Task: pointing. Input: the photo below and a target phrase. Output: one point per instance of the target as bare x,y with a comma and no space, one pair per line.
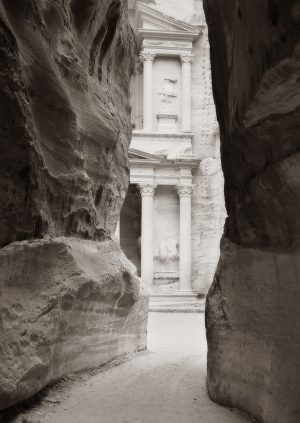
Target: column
148,59
186,106
147,192
185,257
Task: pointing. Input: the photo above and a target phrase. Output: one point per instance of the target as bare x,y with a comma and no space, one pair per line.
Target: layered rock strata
253,314
69,299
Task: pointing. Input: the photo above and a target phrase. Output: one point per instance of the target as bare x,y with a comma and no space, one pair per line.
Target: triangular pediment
142,155
154,21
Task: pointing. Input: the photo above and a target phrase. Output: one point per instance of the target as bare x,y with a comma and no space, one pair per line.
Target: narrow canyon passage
166,384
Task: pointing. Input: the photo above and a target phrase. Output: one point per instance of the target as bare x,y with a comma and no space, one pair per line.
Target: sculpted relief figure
168,250
168,93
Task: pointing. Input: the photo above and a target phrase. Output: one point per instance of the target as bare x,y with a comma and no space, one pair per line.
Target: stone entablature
171,145
161,47
160,172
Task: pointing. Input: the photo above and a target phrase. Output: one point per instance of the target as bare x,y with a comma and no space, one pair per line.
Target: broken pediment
142,155
152,22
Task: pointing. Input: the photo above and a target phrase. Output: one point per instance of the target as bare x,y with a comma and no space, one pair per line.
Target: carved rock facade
176,141
65,130
253,310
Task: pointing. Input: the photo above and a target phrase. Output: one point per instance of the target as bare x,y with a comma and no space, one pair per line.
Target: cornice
149,135
165,163
168,35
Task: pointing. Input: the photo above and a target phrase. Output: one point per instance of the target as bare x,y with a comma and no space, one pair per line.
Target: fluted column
147,192
186,95
148,59
185,257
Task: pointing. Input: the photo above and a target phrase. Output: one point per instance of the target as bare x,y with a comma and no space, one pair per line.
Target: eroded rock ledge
69,300
66,305
253,314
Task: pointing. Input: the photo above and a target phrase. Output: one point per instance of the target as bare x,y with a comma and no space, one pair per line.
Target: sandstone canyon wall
253,313
69,299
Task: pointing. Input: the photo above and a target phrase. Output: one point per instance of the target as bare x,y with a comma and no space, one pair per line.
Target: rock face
64,117
253,313
66,305
68,298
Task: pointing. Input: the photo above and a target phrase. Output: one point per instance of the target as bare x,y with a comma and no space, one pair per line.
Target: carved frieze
168,44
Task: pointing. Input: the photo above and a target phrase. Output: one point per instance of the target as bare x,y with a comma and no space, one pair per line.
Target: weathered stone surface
66,305
253,314
64,79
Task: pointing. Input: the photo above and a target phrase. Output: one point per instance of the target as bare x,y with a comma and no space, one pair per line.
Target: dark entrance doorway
130,226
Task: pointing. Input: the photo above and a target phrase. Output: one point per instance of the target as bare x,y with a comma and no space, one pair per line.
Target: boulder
66,305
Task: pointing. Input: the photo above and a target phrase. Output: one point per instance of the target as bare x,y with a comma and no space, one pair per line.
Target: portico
165,258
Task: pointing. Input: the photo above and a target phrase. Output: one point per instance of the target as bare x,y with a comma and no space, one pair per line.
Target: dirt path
165,385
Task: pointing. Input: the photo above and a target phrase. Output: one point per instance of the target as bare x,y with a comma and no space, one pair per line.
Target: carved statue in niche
168,250
168,93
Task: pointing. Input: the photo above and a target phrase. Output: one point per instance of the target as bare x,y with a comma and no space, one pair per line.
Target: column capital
147,190
185,190
147,57
187,58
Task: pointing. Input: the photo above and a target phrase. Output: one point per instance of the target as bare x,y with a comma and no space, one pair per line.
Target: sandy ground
166,384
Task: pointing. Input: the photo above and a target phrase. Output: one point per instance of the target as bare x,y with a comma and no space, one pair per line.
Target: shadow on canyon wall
253,314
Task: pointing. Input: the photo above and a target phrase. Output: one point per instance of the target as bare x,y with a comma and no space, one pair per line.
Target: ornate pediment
154,24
